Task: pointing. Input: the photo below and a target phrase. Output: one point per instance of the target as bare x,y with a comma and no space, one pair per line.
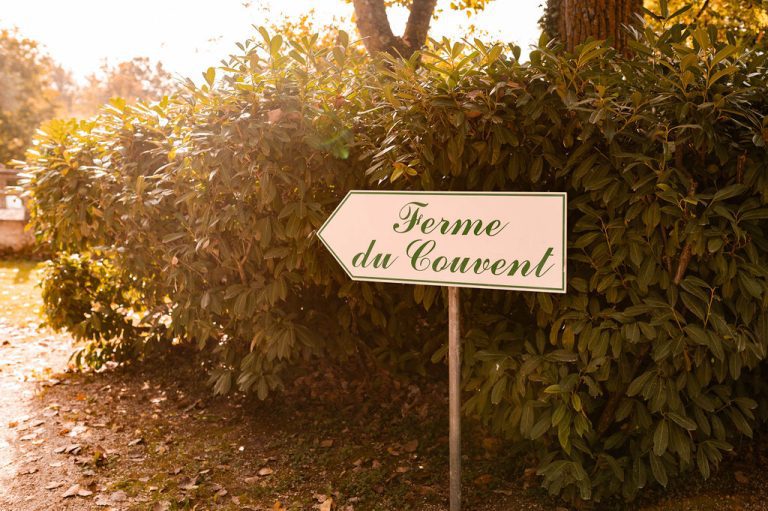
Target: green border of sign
563,195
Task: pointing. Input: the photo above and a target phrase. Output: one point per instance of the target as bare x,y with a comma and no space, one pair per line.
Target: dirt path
31,473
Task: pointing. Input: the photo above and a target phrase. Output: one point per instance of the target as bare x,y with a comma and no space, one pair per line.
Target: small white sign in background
501,240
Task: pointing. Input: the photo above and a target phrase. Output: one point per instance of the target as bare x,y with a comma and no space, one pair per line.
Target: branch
682,264
609,410
701,11
373,25
418,23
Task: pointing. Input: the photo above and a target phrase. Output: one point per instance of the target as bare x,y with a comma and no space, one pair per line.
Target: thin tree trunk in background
575,21
373,25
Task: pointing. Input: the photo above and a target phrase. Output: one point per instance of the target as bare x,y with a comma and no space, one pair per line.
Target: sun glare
188,36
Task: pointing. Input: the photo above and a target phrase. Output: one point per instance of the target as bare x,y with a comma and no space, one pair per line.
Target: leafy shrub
651,362
86,297
649,366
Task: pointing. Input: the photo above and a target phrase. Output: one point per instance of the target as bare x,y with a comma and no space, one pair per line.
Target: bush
87,298
650,365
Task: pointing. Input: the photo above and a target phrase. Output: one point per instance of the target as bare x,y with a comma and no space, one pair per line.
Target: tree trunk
575,21
373,25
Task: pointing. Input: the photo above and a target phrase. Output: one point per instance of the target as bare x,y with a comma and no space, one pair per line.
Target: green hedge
648,367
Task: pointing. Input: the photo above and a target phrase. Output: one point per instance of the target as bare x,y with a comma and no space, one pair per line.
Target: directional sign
500,240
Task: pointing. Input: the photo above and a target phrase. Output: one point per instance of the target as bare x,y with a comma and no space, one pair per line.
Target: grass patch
20,300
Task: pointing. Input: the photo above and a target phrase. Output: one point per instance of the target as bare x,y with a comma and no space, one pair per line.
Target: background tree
571,21
67,89
132,80
373,23
574,21
26,96
34,89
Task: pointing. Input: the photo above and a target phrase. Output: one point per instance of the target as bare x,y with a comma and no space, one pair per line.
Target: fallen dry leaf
53,485
72,449
491,444
193,405
484,480
411,446
326,505
266,471
422,489
71,491
188,483
118,496
326,443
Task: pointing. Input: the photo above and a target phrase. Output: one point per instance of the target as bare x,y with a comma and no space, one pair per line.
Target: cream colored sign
502,240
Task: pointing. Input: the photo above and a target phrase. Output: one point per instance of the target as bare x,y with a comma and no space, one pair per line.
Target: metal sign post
491,240
454,397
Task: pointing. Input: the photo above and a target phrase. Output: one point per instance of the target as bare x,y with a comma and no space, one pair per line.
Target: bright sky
188,36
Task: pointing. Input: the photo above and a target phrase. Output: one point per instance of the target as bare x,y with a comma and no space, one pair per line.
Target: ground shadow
152,436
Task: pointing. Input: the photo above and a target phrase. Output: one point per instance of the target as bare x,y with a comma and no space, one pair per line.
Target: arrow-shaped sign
501,240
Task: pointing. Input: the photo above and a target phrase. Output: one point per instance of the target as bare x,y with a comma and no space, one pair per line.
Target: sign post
454,398
494,240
